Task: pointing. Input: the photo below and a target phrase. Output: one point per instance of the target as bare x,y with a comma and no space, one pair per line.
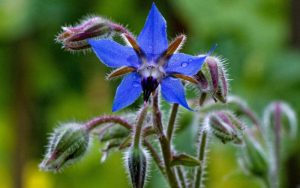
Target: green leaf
185,160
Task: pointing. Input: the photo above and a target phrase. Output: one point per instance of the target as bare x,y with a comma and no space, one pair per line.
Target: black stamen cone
149,85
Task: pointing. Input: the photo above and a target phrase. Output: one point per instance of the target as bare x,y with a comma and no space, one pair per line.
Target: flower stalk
94,123
202,145
171,124
150,65
164,143
138,127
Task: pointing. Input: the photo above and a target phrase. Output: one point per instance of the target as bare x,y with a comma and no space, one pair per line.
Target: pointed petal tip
153,6
186,106
212,49
153,37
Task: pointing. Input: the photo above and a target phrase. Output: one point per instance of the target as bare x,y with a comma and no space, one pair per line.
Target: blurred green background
42,85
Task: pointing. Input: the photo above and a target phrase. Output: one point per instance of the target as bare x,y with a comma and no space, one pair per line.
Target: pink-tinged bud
225,126
75,38
280,118
213,71
212,79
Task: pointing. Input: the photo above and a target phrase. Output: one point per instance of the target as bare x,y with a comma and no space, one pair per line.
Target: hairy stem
277,121
171,124
198,181
164,143
181,176
155,156
139,125
94,123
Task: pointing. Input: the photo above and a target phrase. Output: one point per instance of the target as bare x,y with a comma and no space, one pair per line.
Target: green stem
201,157
277,129
139,125
171,124
181,177
154,156
164,143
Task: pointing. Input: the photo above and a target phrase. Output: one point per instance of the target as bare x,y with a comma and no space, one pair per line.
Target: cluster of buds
212,80
67,145
75,38
225,126
149,62
262,157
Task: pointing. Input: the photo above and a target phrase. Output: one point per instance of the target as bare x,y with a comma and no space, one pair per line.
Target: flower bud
114,132
280,118
137,165
75,38
67,145
253,158
225,126
185,160
212,79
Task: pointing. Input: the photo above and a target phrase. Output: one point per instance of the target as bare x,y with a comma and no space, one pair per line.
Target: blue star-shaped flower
150,62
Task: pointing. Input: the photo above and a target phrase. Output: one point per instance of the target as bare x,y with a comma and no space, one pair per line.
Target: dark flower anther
148,62
149,85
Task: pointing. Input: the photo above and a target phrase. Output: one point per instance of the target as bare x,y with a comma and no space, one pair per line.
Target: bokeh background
42,85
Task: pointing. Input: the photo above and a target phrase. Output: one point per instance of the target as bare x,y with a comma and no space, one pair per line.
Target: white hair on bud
148,163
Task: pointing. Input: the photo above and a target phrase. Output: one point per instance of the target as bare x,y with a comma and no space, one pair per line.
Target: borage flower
150,62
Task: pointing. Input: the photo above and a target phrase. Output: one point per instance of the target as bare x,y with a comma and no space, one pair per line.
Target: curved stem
277,123
164,143
94,123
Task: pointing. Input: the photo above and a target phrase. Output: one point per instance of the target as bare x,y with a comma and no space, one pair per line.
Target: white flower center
152,70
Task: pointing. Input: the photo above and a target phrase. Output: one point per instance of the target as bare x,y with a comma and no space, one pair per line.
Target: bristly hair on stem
164,143
201,155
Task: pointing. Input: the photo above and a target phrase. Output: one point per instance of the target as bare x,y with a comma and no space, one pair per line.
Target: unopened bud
75,38
67,145
253,158
114,132
185,160
225,126
281,118
137,165
213,79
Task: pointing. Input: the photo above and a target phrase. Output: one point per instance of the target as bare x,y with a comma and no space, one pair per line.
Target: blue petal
153,38
113,54
128,91
184,64
172,91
